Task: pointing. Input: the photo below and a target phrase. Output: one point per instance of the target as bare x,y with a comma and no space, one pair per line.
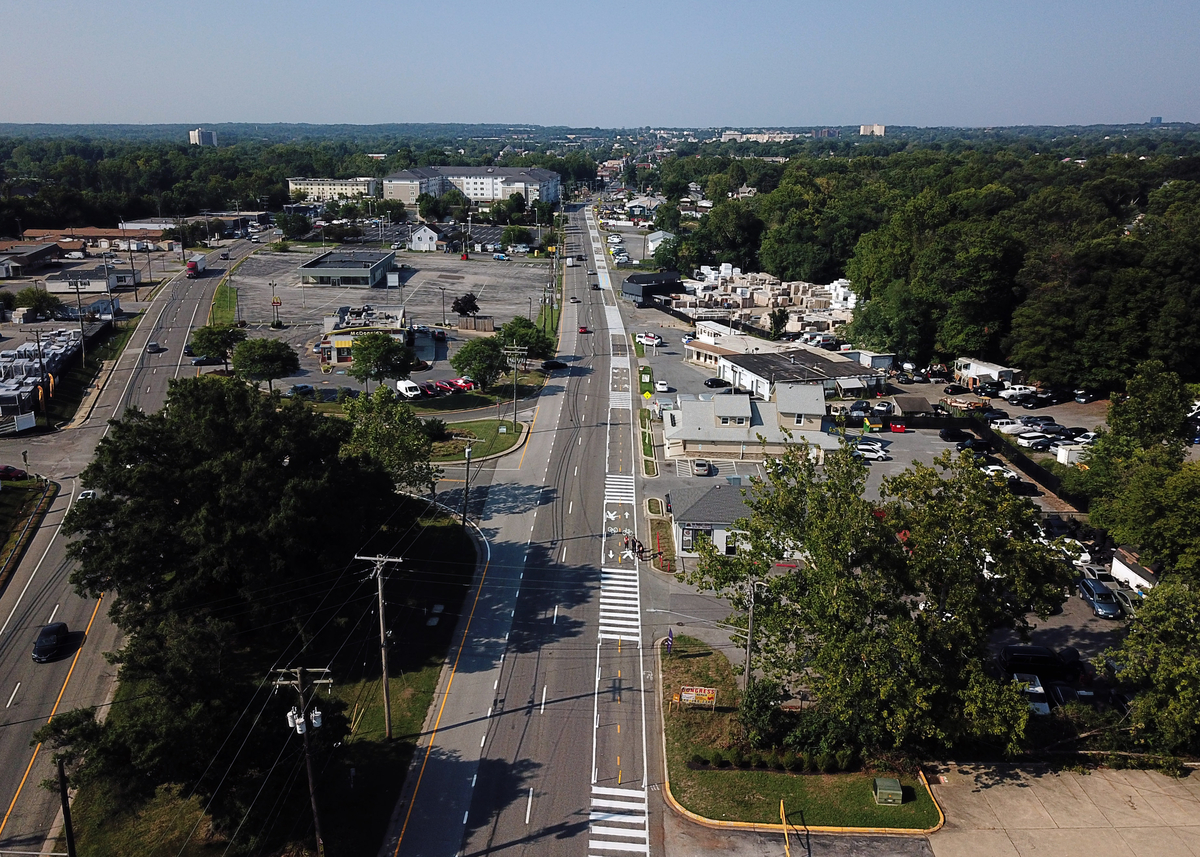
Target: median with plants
735,760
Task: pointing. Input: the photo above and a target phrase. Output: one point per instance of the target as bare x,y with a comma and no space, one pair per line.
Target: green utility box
888,791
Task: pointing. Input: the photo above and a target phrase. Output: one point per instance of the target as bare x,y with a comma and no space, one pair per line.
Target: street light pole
466,487
754,584
443,288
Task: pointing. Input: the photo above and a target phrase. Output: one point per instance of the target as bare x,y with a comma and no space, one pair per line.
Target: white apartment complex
871,130
323,190
200,137
478,184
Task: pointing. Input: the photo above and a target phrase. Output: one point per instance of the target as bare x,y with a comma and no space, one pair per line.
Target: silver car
1100,598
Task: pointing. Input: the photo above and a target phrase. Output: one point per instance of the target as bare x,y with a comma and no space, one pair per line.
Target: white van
408,389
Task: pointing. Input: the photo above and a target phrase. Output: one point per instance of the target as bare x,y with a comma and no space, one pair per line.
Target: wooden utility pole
380,562
302,722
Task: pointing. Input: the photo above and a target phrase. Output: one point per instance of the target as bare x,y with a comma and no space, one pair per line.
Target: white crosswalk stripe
618,488
620,607
620,399
619,821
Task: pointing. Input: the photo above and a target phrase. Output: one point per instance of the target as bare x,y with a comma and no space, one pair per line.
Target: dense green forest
1074,269
77,181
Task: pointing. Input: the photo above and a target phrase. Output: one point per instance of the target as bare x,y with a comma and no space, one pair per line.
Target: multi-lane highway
39,591
539,741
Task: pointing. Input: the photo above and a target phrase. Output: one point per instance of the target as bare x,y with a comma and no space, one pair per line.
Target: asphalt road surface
39,590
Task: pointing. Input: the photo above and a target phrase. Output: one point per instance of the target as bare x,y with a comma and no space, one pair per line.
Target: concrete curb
776,828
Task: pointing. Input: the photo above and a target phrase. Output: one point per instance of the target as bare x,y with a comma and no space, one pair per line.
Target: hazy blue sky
614,63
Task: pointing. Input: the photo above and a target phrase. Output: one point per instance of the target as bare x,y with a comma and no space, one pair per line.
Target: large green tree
1160,660
523,333
219,532
40,301
265,359
388,432
886,617
378,357
215,340
482,360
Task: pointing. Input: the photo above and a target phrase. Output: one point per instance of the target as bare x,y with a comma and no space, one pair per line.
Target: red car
463,383
445,387
584,330
10,472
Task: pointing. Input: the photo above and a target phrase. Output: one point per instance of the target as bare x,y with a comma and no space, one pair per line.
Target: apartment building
323,190
478,184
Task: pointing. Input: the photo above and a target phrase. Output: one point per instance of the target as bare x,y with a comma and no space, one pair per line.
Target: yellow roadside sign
646,395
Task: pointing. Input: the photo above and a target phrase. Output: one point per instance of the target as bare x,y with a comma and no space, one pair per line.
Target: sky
659,63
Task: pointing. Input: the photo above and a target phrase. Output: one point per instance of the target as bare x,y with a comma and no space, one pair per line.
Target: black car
1045,663
990,390
595,287
204,360
50,642
551,365
974,444
187,350
995,414
953,435
301,391
954,389
713,383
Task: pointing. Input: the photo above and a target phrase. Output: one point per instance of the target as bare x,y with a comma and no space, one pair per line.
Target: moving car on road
50,642
715,383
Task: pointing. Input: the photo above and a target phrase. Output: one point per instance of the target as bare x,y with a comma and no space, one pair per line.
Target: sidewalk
1014,811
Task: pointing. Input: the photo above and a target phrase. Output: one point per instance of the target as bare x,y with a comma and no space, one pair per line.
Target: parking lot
504,290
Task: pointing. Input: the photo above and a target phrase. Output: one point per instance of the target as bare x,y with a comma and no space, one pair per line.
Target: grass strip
663,539
483,436
223,312
753,794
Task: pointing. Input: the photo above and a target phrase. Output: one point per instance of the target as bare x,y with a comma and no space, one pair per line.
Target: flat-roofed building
323,190
478,184
364,269
200,137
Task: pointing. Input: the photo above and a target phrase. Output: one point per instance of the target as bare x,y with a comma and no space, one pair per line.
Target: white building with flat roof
323,190
478,184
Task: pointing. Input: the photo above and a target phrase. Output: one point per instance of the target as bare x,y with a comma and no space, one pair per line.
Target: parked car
953,435
686,338
1029,438
301,391
883,409
649,339
428,389
973,444
1045,663
994,415
50,642
1100,598
661,387
1087,438
1016,390
1084,396
870,453
860,409
1099,573
1009,426
1001,471
1060,693
1034,692
715,383
954,389
9,472
205,360
1129,602
465,384
444,387
1036,420
700,467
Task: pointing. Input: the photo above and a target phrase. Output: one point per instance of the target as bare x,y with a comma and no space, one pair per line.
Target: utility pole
298,719
79,309
466,487
754,584
443,288
380,562
68,828
514,353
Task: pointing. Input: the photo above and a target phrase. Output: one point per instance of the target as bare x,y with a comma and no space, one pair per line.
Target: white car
660,386
1016,390
1082,557
1001,471
1031,437
870,453
1009,426
1087,438
615,239
1034,692
649,339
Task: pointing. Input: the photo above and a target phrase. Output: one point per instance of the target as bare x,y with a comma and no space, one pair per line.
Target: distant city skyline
758,64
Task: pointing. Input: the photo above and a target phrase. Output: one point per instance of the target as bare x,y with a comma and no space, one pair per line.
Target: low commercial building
655,240
737,427
478,184
971,372
424,239
642,288
92,281
707,512
22,259
364,269
323,190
